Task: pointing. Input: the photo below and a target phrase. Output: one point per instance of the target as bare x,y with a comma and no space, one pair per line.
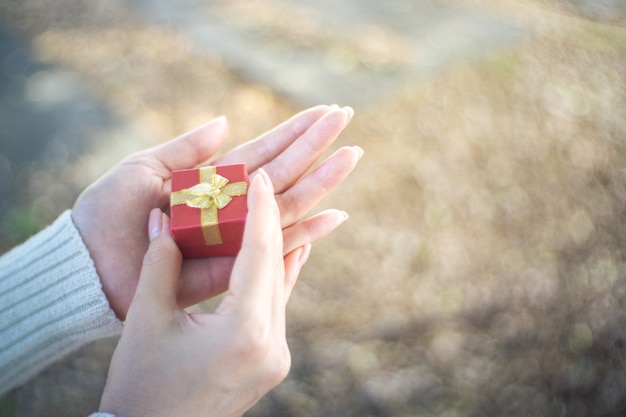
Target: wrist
113,291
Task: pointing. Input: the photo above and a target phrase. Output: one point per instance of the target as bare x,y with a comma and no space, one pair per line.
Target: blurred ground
492,283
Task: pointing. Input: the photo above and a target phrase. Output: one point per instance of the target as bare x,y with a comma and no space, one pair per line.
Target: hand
171,363
110,214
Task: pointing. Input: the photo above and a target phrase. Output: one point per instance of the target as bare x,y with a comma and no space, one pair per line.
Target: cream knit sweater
51,303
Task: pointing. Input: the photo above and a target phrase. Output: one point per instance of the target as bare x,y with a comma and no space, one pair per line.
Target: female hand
171,363
110,215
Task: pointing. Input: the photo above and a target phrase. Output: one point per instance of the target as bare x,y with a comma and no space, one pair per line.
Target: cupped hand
111,214
171,363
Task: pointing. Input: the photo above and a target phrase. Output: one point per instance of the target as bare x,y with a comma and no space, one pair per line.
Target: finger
204,278
260,260
192,148
294,262
290,165
312,229
158,281
303,196
262,150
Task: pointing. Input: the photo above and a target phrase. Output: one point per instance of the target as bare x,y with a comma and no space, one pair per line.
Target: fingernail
155,224
359,150
345,215
304,255
350,111
266,178
217,120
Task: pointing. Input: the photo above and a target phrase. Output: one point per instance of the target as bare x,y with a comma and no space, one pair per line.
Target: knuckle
263,246
279,368
155,257
288,217
267,244
274,367
258,339
263,354
253,341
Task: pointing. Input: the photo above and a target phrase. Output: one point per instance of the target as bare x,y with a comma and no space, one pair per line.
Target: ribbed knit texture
51,302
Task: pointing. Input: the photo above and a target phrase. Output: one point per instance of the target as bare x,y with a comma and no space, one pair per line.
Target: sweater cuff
51,302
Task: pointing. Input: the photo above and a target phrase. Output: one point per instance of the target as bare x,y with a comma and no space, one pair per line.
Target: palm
112,214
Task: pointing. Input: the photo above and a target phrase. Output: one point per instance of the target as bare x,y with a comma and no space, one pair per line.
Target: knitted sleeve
51,302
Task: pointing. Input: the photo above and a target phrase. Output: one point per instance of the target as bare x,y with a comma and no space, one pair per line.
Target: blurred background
491,278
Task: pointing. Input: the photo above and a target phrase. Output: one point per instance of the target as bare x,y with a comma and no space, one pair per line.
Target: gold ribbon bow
213,193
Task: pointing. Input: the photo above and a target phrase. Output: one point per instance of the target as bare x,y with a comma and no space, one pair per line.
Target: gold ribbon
213,193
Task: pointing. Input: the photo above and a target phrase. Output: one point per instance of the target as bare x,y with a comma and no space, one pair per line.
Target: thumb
158,281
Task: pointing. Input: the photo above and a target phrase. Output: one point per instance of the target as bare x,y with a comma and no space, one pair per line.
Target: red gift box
208,210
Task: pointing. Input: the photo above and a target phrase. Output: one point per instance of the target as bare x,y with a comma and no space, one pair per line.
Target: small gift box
208,210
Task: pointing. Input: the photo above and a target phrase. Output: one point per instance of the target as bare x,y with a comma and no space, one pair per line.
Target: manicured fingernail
155,224
350,111
304,254
221,120
266,178
359,150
